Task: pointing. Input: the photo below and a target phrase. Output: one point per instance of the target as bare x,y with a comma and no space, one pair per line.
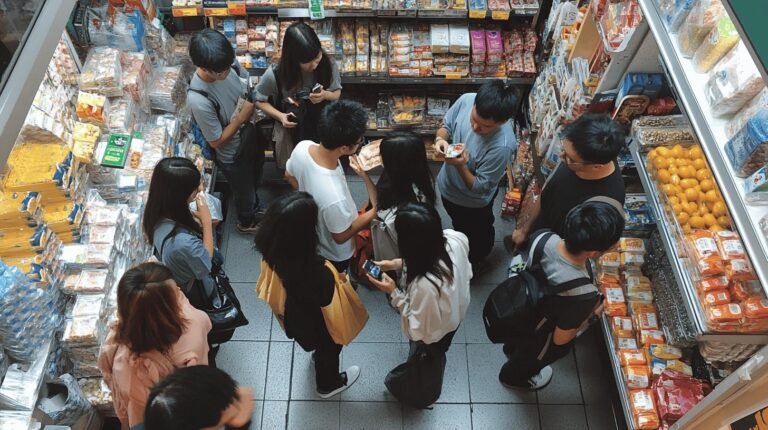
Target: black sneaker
251,229
350,376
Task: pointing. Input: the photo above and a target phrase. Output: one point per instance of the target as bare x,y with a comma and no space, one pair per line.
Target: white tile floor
581,395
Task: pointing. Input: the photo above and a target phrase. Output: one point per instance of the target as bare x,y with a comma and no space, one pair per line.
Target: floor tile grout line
581,389
290,382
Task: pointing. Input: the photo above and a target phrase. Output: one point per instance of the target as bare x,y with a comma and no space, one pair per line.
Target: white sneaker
541,379
351,375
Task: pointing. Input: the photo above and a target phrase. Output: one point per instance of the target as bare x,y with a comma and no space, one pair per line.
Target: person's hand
599,309
354,163
461,160
203,212
386,284
519,238
388,265
288,120
441,146
246,111
316,98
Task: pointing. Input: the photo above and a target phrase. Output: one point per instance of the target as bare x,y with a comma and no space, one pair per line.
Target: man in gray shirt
214,94
469,182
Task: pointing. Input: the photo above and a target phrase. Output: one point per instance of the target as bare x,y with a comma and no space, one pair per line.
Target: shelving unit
617,373
681,269
689,86
295,13
383,80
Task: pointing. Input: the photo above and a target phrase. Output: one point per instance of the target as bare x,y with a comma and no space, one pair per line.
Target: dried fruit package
705,253
729,244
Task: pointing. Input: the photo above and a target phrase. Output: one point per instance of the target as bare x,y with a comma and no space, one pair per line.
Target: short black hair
596,138
210,50
592,226
496,100
342,123
190,398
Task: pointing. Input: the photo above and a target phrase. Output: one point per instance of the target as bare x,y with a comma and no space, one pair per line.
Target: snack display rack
617,372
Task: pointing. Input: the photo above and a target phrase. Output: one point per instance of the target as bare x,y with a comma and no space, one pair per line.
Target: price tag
186,11
236,8
478,13
453,76
218,11
500,15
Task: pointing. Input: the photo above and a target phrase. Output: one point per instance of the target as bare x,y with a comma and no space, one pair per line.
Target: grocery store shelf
425,14
382,131
383,80
199,11
617,373
690,88
679,267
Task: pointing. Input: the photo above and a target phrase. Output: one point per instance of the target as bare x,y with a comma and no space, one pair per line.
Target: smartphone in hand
317,89
454,150
372,269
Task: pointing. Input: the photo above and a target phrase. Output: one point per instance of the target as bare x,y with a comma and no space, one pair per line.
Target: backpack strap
213,101
159,254
537,249
609,200
574,287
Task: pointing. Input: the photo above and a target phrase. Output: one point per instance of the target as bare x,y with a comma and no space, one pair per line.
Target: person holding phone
288,243
468,183
309,78
433,296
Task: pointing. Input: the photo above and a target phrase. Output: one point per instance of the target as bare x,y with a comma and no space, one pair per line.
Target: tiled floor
581,395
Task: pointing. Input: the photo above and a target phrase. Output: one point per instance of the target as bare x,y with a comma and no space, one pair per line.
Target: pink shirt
131,376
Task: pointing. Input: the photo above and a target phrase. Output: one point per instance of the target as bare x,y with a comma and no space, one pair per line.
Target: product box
116,151
756,186
459,37
440,38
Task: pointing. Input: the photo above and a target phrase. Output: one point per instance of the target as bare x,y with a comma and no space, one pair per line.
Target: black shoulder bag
221,305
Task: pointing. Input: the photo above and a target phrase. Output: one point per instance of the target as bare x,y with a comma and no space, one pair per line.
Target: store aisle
260,356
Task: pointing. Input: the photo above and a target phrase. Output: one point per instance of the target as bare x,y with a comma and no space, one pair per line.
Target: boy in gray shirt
214,93
468,183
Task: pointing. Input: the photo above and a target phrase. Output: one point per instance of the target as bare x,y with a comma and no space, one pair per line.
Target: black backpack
510,309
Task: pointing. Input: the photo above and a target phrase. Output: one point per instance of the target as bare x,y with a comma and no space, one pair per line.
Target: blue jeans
244,177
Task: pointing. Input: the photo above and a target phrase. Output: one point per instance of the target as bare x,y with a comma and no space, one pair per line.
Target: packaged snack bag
631,244
643,407
739,269
633,358
706,253
648,337
637,376
741,291
666,352
615,303
755,307
716,297
724,313
622,327
646,321
729,244
712,283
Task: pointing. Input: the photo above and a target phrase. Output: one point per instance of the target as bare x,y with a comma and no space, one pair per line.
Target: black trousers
477,224
327,353
341,266
529,354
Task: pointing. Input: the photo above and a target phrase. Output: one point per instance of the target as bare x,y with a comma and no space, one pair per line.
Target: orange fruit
707,185
711,197
699,163
683,162
691,208
724,221
662,151
688,183
678,151
674,179
664,176
695,152
718,209
674,200
668,189
692,195
687,228
697,222
710,220
677,208
703,174
673,170
683,217
715,228
660,163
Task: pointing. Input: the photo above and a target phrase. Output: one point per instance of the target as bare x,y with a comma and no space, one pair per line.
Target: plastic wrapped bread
715,45
733,82
747,150
741,118
102,72
703,17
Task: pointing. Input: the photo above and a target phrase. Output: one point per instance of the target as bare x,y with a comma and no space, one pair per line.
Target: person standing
469,183
303,67
288,243
316,169
156,331
215,92
590,229
587,169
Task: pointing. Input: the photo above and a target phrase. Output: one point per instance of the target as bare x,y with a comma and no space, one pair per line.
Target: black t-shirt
564,191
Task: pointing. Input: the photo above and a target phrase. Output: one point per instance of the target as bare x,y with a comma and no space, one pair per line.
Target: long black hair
173,181
301,45
405,165
421,242
287,237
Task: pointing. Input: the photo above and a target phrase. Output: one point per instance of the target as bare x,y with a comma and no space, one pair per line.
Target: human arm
362,221
442,137
290,175
370,187
203,216
525,224
267,89
333,92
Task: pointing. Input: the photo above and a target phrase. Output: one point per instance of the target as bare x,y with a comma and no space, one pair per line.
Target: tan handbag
346,316
270,288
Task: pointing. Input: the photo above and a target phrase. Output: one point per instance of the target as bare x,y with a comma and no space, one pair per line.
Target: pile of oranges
683,175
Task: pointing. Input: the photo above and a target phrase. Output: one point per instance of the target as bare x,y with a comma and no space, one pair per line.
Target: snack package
716,44
724,313
677,393
733,82
716,297
622,327
370,155
741,291
631,244
712,283
633,358
643,408
632,259
626,343
701,20
755,307
729,244
615,304
756,187
102,72
636,376
666,352
674,12
92,108
648,337
705,253
750,109
747,150
739,269
646,321
610,260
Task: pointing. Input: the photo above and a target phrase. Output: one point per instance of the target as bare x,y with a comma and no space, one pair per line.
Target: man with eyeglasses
587,169
316,169
214,94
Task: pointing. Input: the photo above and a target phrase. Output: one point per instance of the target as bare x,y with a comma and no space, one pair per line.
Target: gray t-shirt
226,93
559,270
184,254
267,86
488,157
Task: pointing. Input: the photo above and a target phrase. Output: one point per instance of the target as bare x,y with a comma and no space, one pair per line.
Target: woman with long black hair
308,76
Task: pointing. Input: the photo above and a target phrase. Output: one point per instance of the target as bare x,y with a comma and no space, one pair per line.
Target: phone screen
372,269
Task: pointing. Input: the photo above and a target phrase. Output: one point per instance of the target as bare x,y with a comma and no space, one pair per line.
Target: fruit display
689,190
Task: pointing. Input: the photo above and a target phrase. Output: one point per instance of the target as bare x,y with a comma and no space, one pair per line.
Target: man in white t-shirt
315,168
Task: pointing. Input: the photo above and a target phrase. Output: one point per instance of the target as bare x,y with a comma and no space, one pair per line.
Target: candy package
729,313
92,108
648,337
739,269
733,82
716,297
631,244
755,307
741,291
715,45
666,352
712,283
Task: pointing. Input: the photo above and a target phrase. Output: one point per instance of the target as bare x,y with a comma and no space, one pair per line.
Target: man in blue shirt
469,182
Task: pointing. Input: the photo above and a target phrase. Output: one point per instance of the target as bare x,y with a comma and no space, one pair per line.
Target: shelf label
218,11
453,76
316,10
500,15
186,11
236,8
478,13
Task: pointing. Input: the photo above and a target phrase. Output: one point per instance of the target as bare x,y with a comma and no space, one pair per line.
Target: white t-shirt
336,208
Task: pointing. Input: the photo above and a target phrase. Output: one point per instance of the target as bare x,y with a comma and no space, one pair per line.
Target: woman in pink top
157,331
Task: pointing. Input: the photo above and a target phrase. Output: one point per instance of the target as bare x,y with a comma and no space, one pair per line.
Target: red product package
677,393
